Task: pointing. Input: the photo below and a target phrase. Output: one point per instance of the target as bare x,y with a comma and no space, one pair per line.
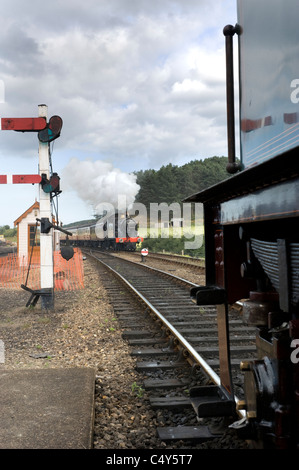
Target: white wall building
28,233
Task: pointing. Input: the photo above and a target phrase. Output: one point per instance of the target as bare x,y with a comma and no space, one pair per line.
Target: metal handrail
229,31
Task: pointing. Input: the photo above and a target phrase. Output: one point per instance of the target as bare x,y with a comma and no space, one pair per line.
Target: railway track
195,263
174,341
6,250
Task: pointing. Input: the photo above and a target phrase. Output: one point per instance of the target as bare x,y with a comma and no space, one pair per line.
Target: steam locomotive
251,222
116,232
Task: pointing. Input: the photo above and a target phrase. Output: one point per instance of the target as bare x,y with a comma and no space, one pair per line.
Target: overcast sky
138,84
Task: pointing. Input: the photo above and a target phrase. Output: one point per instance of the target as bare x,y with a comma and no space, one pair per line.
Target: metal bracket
46,226
211,401
213,295
35,295
208,295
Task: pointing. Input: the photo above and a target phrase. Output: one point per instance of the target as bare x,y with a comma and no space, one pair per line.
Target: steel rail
191,351
181,279
175,258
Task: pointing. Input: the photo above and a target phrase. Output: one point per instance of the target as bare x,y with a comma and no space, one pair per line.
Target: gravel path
84,332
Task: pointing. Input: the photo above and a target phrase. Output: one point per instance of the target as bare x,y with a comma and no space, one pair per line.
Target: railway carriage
251,221
118,233
74,232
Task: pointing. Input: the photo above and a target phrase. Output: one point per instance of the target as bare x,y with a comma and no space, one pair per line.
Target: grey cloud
19,52
123,74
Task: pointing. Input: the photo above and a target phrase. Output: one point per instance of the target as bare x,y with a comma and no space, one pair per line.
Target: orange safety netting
68,275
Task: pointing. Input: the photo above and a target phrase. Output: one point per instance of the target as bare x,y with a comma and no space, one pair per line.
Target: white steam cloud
98,182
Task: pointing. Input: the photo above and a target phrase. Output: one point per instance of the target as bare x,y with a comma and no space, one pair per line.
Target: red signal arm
23,124
20,179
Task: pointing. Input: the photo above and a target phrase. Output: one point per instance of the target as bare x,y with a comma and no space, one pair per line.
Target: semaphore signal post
47,132
46,240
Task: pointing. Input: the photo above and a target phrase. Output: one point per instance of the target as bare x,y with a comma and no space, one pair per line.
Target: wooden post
46,239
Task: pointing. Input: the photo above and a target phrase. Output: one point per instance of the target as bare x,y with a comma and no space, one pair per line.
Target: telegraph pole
46,239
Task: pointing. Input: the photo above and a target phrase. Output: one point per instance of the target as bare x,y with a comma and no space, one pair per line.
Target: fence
68,275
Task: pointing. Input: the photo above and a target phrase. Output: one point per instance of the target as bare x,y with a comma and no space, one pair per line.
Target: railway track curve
194,263
175,343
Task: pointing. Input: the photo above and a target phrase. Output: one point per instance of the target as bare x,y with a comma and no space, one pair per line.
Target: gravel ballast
83,331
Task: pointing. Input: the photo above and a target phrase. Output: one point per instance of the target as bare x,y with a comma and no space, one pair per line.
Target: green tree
10,232
3,228
172,183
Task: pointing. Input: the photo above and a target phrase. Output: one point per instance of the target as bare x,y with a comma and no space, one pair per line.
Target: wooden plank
146,341
153,352
170,402
233,349
136,334
144,365
190,433
164,383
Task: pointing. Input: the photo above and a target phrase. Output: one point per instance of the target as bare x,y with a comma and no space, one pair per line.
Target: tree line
8,232
172,183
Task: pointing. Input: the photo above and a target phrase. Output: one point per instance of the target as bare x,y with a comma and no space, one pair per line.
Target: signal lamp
52,185
52,131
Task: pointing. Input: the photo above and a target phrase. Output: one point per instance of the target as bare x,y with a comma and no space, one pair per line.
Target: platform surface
47,408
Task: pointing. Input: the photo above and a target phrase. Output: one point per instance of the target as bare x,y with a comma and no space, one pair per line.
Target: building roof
28,211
